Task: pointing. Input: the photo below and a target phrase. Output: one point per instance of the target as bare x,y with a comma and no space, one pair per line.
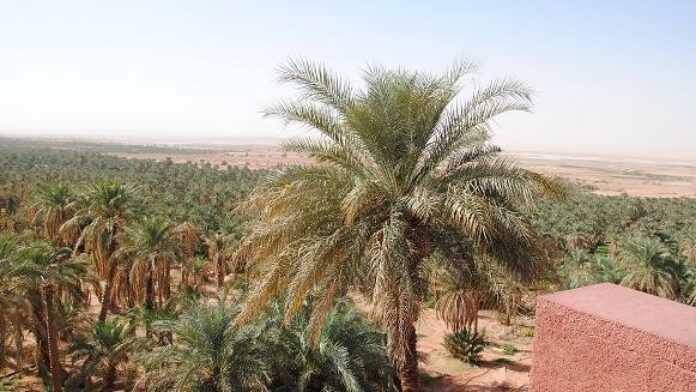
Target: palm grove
144,275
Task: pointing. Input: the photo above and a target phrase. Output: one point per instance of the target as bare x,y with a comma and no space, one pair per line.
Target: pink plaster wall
610,338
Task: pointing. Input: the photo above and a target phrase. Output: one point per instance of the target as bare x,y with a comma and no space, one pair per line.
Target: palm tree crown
650,267
208,354
151,249
53,206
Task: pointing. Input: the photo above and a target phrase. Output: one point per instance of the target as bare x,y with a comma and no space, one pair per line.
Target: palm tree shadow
505,363
496,388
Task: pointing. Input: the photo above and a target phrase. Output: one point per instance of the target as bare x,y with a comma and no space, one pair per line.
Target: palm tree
688,249
8,294
400,164
43,271
459,296
53,206
219,245
351,354
104,348
189,237
152,247
649,267
208,354
57,371
101,215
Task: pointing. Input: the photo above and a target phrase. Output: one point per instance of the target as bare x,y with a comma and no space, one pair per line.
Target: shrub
466,346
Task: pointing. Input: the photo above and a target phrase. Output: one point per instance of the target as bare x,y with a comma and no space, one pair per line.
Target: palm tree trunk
408,370
3,340
183,283
106,295
19,345
40,335
167,280
57,372
109,377
220,271
128,289
150,289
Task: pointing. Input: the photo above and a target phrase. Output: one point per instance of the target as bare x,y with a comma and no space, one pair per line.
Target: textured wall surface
609,338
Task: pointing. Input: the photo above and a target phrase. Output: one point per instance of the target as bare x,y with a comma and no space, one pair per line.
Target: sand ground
497,372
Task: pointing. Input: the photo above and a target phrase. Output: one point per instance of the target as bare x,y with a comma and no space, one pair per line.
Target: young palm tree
400,162
208,354
53,206
104,348
152,247
459,296
649,267
101,215
351,354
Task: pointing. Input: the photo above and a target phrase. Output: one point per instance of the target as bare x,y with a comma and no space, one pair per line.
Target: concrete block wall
610,338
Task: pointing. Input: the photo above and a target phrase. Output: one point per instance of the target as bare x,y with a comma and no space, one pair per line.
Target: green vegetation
466,346
119,274
404,176
645,244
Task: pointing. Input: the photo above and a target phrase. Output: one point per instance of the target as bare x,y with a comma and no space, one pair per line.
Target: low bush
466,346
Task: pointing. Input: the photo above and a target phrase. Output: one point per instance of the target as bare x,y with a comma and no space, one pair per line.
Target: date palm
649,267
399,162
54,205
351,354
688,248
152,248
45,275
219,249
189,237
101,216
106,345
9,298
208,354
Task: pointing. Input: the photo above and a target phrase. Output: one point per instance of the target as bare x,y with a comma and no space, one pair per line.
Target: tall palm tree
57,376
400,162
189,237
53,206
208,354
43,272
8,294
101,216
649,267
219,247
152,247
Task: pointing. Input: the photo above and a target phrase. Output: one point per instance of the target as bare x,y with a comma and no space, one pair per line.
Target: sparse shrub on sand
466,346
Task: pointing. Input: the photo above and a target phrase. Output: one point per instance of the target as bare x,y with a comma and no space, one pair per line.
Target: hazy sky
609,75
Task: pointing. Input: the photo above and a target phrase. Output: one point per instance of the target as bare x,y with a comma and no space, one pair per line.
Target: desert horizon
605,174
214,141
